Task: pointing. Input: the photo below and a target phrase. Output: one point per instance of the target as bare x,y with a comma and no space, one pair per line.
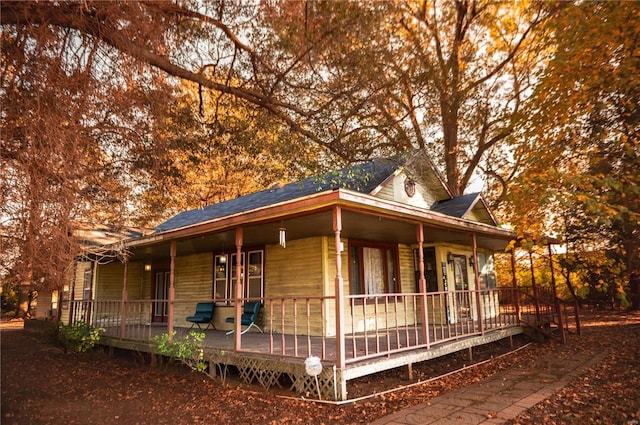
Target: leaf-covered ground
41,384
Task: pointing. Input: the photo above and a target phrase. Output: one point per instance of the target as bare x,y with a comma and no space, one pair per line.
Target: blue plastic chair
203,314
248,317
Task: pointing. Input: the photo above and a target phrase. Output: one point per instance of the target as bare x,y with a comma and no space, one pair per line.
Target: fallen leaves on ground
41,384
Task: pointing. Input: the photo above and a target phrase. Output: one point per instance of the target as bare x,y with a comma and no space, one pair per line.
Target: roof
363,178
99,235
458,206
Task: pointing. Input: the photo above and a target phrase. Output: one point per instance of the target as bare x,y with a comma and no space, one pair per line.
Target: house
368,268
99,245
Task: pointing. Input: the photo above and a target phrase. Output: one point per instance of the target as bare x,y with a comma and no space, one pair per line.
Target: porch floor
365,354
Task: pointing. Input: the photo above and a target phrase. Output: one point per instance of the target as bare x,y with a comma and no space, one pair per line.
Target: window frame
229,275
389,252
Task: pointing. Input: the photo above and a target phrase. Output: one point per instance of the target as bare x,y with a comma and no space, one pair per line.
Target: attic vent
410,187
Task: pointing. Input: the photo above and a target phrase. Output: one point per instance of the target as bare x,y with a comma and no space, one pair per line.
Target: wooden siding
393,190
109,281
295,271
193,282
480,214
76,278
407,268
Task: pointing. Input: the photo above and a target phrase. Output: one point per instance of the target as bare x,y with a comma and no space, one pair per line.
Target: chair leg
251,326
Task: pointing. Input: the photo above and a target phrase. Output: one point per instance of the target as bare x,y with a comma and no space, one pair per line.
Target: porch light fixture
283,237
222,259
471,261
147,267
449,258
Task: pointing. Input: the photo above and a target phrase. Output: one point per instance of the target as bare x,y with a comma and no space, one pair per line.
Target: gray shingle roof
363,178
458,206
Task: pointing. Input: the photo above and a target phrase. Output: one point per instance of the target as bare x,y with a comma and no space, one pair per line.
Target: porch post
514,283
422,284
563,337
339,291
476,279
534,287
123,302
237,335
172,290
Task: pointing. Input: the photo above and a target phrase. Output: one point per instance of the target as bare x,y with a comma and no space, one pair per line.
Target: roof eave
320,201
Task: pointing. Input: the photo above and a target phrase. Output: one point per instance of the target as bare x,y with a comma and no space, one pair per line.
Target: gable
469,206
416,183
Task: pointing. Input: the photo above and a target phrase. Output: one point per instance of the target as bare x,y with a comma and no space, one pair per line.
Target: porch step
540,331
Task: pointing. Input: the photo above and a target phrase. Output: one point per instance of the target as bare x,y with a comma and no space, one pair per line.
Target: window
486,271
373,268
460,272
251,274
86,285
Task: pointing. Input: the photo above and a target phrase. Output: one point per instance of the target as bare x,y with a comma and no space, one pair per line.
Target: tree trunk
22,309
567,279
450,135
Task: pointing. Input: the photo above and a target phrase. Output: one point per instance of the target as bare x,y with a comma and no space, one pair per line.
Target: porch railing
298,327
539,307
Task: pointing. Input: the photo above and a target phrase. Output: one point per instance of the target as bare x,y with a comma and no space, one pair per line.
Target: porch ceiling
355,225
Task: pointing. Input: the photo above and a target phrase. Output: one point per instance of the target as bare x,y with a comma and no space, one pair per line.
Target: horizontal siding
407,272
75,293
194,282
75,278
294,271
109,281
387,191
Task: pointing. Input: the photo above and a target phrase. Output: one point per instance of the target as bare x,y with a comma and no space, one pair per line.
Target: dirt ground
43,385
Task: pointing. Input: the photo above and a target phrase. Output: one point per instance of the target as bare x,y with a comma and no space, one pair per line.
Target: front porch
394,333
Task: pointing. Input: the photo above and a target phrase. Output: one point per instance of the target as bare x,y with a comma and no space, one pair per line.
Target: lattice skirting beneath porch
267,373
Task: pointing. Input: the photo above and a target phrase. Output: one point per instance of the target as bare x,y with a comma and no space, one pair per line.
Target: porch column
422,284
476,279
534,287
123,302
514,283
172,290
563,337
339,291
237,298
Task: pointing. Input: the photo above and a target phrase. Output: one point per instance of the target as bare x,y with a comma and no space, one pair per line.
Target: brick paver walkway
498,398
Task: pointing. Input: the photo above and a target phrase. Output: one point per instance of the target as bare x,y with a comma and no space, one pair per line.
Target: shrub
188,350
79,337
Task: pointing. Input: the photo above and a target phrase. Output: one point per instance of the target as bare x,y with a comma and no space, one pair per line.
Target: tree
69,126
471,67
221,46
443,77
231,151
582,133
94,130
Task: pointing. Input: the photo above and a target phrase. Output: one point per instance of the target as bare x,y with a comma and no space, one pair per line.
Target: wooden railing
298,327
540,309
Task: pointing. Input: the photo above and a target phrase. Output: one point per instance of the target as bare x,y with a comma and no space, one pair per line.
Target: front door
161,297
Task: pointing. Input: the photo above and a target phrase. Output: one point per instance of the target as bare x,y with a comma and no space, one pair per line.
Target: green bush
79,337
188,349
